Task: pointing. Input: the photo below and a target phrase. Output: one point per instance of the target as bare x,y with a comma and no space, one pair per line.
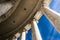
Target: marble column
23,36
35,31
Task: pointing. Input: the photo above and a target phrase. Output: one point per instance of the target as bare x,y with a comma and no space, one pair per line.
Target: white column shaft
15,39
23,37
35,31
53,17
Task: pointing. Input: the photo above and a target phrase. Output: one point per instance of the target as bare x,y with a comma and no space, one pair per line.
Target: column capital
24,30
36,20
